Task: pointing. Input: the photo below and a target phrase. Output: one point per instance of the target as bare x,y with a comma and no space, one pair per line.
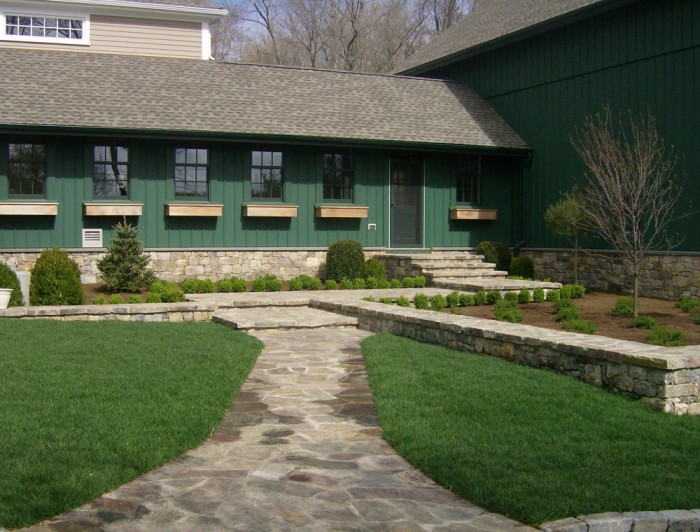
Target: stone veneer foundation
664,275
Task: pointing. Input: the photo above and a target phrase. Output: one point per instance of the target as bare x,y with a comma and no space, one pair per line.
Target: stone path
300,449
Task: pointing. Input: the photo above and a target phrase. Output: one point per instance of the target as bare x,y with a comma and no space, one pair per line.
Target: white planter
5,294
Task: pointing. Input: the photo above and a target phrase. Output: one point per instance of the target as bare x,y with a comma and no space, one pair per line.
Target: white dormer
167,28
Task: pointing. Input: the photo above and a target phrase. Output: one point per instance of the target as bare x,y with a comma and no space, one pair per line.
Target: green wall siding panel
642,57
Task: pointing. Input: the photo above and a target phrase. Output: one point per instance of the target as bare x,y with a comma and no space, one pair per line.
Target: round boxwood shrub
374,268
524,296
296,284
496,253
421,301
331,284
437,302
538,295
506,311
8,279
345,260
522,267
403,301
643,322
466,300
452,299
55,280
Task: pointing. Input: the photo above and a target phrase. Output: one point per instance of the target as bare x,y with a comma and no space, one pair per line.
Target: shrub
624,306
562,304
125,267
403,301
516,278
685,303
233,284
466,300
408,282
8,279
522,266
345,259
524,296
260,284
567,291
511,296
386,300
99,300
420,281
197,286
135,299
395,283
568,313
346,284
374,268
538,295
480,298
116,299
421,301
272,283
368,298
643,322
696,318
452,299
553,295
497,253
371,282
331,284
55,280
666,336
154,297
580,326
493,296
313,283
383,283
296,284
437,302
577,291
358,284
506,311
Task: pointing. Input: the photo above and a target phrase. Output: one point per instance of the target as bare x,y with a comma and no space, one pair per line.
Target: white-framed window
25,26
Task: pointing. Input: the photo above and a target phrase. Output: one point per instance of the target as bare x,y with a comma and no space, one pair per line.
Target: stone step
469,262
491,283
258,318
464,273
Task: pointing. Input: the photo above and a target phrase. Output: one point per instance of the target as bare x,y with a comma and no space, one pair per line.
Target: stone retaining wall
665,378
399,267
664,275
178,265
158,312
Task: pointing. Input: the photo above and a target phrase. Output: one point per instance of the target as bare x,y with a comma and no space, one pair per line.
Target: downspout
519,181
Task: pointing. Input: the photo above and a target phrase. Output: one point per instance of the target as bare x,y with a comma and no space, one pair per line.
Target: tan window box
270,211
464,213
113,209
194,209
341,211
28,208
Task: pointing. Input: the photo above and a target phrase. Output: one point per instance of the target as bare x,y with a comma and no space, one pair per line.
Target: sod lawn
88,406
530,444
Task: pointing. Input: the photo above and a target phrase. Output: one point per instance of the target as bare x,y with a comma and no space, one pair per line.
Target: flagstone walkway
299,449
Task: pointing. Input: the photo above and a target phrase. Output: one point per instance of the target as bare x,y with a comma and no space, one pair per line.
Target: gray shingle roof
492,20
87,90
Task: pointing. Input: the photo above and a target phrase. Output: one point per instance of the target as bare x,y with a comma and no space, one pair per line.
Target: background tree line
358,35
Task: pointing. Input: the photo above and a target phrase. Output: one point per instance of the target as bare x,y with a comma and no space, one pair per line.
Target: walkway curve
299,449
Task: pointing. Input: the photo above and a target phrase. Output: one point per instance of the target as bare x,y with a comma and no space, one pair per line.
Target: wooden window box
28,208
465,213
113,209
341,211
194,209
270,211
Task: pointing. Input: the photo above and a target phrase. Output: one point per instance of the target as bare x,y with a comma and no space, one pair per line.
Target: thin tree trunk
636,293
576,258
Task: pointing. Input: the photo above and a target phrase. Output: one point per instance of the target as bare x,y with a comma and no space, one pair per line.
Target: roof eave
510,38
158,7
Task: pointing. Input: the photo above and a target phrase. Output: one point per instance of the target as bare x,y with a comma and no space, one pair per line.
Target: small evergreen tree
125,268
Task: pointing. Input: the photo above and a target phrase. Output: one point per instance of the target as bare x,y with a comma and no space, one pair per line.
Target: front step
281,318
464,273
486,284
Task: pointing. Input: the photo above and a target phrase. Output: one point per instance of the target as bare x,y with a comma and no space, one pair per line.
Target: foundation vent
92,238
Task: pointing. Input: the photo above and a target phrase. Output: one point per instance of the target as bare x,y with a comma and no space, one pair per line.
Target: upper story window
337,177
192,173
110,171
469,180
45,28
266,174
26,173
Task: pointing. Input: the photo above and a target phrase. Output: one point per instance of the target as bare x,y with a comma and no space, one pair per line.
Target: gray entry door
406,203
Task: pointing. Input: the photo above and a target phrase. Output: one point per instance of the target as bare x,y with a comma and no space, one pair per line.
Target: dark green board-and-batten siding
642,57
69,183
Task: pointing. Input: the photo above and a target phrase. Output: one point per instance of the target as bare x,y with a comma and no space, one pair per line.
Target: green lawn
88,406
530,444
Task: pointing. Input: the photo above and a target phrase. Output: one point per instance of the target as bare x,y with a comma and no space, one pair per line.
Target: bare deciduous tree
631,197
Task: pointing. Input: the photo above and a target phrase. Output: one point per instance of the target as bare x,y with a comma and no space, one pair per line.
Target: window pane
202,156
277,158
180,156
191,156
257,158
267,158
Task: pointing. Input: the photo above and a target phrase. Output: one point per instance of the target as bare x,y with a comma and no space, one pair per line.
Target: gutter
157,6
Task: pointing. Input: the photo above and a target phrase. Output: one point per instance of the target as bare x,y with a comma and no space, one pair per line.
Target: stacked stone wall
664,275
177,265
160,312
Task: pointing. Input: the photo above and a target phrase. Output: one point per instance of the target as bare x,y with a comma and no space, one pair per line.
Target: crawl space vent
92,238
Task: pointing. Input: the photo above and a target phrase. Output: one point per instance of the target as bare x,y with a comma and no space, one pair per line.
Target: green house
238,169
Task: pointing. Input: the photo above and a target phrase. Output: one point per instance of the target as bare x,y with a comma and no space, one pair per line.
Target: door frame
420,164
